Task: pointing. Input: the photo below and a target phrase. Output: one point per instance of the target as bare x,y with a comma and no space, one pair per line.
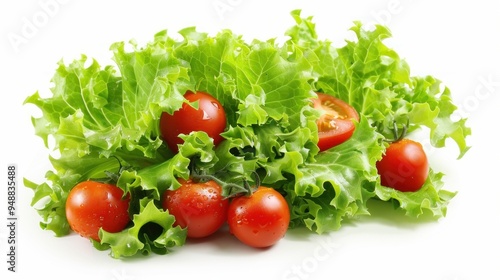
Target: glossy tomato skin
259,220
209,117
335,125
404,166
91,205
199,207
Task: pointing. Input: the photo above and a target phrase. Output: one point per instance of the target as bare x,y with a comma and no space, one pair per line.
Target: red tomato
91,205
199,207
259,220
210,117
404,166
335,124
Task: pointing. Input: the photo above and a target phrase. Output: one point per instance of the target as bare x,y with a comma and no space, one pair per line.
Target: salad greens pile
105,118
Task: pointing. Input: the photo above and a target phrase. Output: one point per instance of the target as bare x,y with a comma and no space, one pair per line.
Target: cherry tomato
259,220
210,117
335,125
404,166
91,205
199,207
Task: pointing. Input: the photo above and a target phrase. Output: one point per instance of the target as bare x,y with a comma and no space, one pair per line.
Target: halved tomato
336,123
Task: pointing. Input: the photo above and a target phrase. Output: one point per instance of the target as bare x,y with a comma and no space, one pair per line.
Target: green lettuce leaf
339,183
197,147
53,198
152,231
431,197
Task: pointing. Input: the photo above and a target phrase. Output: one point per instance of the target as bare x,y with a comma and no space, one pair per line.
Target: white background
455,41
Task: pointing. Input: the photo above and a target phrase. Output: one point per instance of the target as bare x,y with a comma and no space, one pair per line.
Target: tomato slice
335,125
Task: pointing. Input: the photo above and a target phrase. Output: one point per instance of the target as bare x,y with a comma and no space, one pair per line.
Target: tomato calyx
111,177
229,189
397,135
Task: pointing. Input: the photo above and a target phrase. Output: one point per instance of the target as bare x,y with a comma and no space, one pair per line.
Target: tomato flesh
404,166
91,205
199,207
259,220
210,117
335,125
